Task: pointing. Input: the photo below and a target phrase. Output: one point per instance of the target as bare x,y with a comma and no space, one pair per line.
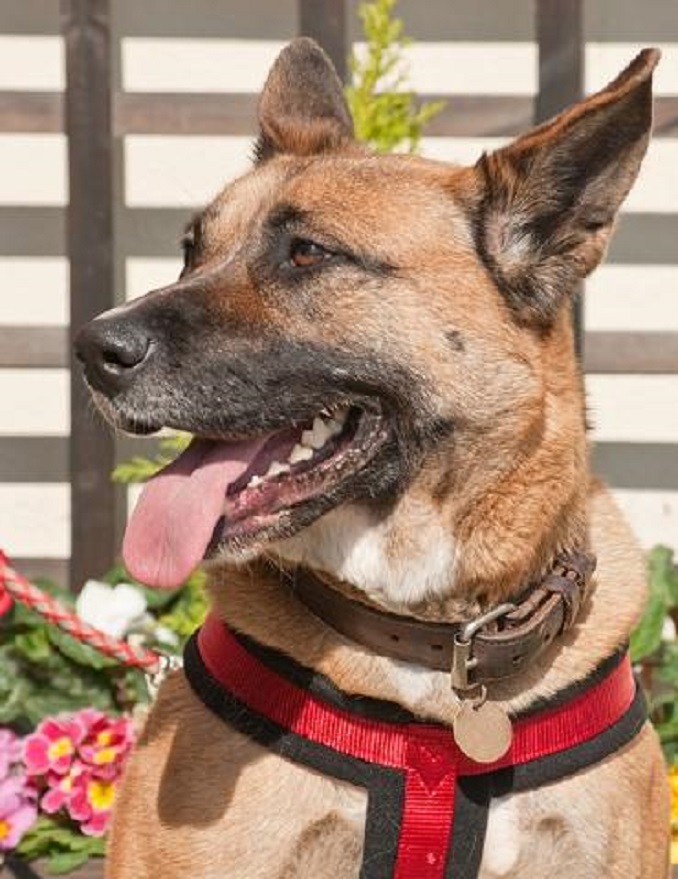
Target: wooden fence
96,114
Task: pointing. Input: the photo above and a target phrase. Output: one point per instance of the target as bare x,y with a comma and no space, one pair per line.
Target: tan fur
483,515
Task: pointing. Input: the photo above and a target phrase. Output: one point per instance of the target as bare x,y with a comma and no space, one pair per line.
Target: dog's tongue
174,520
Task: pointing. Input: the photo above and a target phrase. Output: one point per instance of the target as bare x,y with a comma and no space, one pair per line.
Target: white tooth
276,468
335,427
300,453
321,433
254,481
307,438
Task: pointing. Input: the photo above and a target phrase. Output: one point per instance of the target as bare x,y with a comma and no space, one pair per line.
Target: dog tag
483,732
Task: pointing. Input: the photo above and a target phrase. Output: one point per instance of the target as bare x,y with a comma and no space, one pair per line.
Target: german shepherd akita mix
409,669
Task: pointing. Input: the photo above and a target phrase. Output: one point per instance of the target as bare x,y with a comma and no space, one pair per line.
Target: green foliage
44,671
658,654
386,116
57,840
189,608
139,469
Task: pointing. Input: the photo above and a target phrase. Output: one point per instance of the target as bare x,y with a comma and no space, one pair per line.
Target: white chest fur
396,563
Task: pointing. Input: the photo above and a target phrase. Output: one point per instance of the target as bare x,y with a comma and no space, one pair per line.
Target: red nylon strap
426,753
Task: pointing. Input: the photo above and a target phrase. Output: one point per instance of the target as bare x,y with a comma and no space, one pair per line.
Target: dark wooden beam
325,21
560,40
645,353
86,28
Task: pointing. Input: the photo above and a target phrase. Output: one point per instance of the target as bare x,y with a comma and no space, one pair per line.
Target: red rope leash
19,588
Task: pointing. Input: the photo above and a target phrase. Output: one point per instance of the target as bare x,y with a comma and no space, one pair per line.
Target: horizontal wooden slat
31,231
31,112
649,466
235,114
645,238
617,352
640,466
169,113
45,458
33,346
49,569
665,116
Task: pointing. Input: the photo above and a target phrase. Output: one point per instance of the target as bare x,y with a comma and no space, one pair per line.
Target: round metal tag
483,733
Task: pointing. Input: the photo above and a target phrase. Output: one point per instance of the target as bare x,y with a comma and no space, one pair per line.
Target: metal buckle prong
463,660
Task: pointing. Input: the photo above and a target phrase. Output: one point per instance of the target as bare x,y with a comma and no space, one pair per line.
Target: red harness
303,717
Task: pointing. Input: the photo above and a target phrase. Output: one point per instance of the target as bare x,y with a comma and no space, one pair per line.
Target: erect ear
302,109
547,202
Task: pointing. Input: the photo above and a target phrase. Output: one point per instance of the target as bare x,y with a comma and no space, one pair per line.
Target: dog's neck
256,600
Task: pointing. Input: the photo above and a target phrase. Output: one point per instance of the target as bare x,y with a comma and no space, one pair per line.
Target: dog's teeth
335,426
300,453
254,481
276,468
307,439
320,434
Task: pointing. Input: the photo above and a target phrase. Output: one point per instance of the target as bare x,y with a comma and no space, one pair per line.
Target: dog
375,355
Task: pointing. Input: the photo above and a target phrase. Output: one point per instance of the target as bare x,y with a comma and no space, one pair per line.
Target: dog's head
368,332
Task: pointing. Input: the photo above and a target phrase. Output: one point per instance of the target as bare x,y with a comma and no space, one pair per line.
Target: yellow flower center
105,755
104,738
5,828
61,748
101,795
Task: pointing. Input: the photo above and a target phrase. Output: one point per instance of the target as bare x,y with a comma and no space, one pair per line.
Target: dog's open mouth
218,491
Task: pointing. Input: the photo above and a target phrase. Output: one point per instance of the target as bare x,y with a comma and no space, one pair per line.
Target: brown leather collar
492,647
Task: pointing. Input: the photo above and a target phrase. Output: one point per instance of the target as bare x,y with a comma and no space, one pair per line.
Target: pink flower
91,803
52,747
10,751
60,789
6,602
106,744
18,811
77,760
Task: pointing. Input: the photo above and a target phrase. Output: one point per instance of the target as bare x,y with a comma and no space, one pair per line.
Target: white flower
114,610
668,630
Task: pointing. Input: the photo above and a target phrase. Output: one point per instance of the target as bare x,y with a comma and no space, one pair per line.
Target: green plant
654,647
43,671
64,847
386,116
139,468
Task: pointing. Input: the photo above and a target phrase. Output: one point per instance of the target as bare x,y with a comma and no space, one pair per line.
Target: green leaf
78,652
33,645
647,636
663,574
139,469
65,862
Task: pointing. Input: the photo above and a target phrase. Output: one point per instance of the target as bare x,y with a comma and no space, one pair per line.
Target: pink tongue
174,520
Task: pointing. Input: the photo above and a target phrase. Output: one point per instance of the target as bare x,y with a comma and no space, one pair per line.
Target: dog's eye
306,254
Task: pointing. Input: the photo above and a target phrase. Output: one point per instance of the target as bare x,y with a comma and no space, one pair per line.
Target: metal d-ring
463,660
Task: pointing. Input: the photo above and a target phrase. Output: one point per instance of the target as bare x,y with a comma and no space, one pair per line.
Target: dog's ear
547,202
302,109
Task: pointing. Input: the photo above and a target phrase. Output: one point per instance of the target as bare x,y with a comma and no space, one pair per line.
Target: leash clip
167,663
463,660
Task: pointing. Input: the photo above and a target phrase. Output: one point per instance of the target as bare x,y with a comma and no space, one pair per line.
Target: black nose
113,350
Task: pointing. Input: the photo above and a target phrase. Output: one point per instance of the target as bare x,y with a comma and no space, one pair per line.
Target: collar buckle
463,661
